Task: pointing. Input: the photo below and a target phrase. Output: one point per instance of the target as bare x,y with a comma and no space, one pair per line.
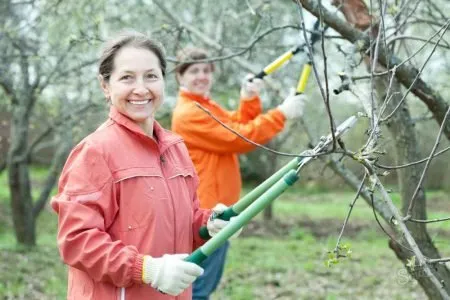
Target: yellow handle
278,62
301,86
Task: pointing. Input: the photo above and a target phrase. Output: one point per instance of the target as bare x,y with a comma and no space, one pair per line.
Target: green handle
199,255
245,201
226,215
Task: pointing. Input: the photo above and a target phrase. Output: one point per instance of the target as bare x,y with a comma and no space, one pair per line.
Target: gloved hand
293,106
215,225
169,274
251,88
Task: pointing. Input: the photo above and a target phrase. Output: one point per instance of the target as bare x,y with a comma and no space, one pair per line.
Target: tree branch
405,74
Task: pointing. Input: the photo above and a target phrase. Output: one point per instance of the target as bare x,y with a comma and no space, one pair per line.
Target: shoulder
184,108
99,143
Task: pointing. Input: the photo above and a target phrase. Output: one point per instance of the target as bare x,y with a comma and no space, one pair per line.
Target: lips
139,102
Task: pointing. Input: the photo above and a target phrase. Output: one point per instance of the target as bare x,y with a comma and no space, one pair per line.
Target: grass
280,259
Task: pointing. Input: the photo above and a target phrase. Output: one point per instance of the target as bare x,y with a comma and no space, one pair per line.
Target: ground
284,258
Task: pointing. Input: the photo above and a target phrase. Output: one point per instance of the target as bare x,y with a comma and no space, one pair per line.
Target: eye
126,77
151,76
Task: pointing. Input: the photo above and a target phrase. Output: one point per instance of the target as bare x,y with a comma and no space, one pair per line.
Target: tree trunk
65,145
19,178
403,134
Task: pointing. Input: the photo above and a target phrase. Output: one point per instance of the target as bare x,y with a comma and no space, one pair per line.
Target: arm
86,206
249,108
250,104
199,130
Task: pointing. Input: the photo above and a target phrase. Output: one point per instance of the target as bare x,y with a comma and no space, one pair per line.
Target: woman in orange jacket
127,205
213,148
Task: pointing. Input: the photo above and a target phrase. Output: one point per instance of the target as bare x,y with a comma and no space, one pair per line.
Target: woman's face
136,85
197,78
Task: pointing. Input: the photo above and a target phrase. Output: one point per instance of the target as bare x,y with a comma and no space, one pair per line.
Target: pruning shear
258,199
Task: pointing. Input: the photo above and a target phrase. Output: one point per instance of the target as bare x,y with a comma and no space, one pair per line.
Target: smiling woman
136,86
128,211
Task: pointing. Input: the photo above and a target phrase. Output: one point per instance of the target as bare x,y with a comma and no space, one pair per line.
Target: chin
140,118
202,92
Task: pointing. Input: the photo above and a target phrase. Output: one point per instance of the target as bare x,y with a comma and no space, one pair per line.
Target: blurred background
50,99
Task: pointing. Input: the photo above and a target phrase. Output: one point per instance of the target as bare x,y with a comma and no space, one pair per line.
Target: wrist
282,109
247,98
136,270
150,268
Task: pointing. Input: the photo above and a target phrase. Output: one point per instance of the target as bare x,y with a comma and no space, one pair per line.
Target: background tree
389,51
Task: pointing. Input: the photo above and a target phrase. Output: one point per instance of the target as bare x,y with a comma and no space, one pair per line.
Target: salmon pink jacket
121,196
214,149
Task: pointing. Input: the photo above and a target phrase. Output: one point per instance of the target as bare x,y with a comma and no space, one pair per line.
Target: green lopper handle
245,201
199,255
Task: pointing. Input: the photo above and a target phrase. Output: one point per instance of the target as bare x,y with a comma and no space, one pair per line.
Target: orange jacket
121,196
214,149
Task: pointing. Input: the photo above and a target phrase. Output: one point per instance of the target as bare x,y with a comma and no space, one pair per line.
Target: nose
203,75
140,88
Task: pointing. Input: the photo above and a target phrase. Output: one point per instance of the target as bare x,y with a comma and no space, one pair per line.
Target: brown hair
124,39
188,56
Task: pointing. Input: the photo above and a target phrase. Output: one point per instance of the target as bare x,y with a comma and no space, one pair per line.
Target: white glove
293,106
215,225
169,274
251,88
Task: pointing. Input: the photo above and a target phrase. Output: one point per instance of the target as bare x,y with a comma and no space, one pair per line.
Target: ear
178,78
104,85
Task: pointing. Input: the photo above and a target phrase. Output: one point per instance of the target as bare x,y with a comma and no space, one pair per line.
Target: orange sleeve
249,108
86,206
199,130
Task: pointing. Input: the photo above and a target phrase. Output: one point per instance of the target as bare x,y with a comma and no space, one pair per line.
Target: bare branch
239,53
411,164
325,95
352,204
429,221
405,74
427,165
438,260
415,38
416,78
61,120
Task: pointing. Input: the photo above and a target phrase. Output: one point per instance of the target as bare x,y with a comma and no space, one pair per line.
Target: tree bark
19,178
401,129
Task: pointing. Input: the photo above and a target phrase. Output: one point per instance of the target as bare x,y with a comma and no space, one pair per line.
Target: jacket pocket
142,192
182,183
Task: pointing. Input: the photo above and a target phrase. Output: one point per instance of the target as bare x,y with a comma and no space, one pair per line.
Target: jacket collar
164,137
196,97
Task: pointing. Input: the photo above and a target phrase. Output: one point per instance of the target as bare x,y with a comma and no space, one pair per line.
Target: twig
316,73
438,138
430,221
417,75
266,148
352,204
438,260
411,164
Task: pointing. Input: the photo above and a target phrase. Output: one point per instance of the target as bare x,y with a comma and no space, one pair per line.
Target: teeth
141,102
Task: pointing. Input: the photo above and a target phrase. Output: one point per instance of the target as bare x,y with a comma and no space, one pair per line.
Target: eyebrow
128,71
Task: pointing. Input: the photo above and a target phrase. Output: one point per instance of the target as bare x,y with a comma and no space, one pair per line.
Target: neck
204,95
147,126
